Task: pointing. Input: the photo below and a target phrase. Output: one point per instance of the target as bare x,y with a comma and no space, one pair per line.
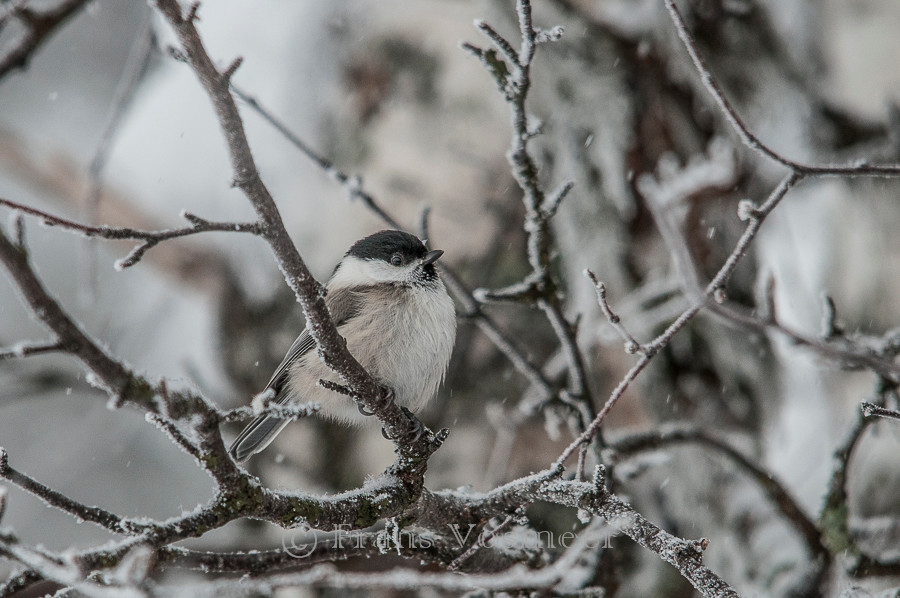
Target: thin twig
39,26
718,282
634,444
149,239
353,184
109,373
458,562
631,345
290,412
26,349
133,72
51,497
746,135
870,410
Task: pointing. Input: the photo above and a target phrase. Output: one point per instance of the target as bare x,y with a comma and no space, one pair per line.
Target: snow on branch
399,496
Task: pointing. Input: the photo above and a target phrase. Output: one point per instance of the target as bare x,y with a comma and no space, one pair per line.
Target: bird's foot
387,396
418,428
413,435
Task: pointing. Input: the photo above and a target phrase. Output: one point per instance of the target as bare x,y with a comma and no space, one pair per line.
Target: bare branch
635,444
870,410
333,547
540,285
830,328
684,555
149,238
26,349
746,135
718,281
108,373
52,498
352,184
176,436
631,345
331,347
39,25
552,203
461,559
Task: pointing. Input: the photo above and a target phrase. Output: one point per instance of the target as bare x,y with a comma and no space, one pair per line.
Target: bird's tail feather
256,436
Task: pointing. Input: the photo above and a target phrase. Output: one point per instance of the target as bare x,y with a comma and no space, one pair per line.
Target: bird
386,299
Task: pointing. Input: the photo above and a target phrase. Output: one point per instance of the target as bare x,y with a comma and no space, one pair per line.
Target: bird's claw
413,434
387,397
418,428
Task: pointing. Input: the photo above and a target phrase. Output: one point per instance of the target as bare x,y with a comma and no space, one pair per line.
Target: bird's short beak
432,256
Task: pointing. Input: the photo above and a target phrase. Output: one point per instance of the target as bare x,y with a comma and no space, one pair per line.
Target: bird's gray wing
260,432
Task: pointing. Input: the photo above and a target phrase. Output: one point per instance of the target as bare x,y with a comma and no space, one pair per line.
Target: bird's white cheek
357,272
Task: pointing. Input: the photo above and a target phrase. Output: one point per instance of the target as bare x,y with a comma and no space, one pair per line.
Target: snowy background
384,91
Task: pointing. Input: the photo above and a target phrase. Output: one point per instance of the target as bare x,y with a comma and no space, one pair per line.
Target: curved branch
110,374
309,292
746,135
635,444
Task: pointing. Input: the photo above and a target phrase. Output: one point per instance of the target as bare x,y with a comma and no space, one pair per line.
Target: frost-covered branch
635,444
631,345
870,410
309,292
110,374
471,308
511,71
666,195
593,497
238,495
58,500
714,289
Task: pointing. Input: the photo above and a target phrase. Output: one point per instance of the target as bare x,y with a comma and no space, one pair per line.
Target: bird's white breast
403,336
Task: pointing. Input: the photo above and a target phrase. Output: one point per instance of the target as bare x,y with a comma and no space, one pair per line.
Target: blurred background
104,126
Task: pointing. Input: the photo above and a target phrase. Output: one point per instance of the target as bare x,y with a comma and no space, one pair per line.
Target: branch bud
747,210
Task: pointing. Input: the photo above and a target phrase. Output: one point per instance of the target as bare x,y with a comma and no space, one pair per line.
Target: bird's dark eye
396,260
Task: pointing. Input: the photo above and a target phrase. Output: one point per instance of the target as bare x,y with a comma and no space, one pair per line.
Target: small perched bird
387,301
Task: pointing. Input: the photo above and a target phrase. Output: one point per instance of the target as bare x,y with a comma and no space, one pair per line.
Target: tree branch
745,134
511,71
149,239
26,349
331,347
39,26
871,410
635,444
109,374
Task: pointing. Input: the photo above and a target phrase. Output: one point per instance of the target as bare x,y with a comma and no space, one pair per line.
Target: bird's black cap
384,244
